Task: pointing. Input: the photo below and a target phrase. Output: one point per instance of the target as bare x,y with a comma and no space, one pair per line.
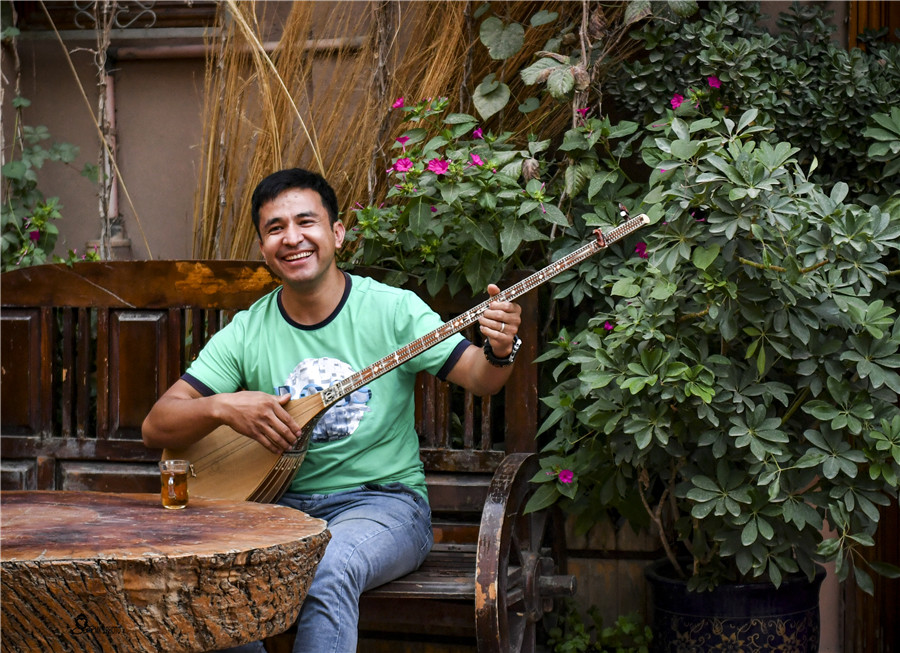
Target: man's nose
293,234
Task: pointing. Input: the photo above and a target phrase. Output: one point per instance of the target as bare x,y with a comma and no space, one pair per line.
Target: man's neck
310,304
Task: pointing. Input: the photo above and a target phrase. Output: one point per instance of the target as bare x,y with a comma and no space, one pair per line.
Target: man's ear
339,232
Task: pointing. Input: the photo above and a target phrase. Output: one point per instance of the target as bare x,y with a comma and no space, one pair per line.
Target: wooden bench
87,350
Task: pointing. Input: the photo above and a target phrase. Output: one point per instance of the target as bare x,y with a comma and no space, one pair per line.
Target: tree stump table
92,571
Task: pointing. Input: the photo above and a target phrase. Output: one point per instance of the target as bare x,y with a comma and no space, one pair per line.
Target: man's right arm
182,416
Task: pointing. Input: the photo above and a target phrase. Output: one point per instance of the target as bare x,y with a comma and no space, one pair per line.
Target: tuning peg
623,212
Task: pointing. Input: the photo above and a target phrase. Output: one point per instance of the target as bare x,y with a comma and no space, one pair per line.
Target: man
362,473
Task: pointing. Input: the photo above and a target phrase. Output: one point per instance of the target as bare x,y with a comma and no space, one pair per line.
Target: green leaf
554,215
14,170
746,118
749,533
702,257
529,105
863,580
636,10
885,569
625,288
502,41
483,235
685,150
683,8
560,83
490,97
420,217
545,496
543,17
459,119
539,70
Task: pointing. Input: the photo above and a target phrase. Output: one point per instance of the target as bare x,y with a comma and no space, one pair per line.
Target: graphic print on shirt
314,375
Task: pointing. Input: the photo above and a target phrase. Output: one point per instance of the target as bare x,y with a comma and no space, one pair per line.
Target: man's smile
298,255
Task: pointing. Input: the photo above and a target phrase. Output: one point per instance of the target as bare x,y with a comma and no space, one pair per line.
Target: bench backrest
87,350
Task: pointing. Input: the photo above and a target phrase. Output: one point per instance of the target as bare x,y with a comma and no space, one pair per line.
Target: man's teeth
296,257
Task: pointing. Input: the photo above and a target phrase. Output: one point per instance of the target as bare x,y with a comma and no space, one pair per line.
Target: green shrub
814,93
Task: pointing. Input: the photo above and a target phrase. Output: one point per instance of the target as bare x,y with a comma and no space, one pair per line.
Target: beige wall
158,106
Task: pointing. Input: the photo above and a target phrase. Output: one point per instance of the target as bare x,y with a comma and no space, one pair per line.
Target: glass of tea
173,477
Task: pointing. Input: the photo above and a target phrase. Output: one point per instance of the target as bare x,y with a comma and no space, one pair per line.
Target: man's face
297,240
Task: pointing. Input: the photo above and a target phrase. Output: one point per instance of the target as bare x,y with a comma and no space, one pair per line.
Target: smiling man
362,473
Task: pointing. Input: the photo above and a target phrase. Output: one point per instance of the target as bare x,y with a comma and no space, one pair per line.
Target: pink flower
714,81
608,326
398,103
478,133
434,209
583,111
641,250
677,100
34,235
402,140
476,160
438,167
566,476
403,165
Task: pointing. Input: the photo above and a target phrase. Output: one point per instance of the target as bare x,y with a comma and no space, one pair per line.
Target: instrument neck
335,392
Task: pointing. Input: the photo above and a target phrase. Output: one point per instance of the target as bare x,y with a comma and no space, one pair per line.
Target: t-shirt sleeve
218,367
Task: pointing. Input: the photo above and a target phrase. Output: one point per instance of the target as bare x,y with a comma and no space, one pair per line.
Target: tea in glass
173,477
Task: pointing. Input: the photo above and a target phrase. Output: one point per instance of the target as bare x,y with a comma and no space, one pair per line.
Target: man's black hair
278,182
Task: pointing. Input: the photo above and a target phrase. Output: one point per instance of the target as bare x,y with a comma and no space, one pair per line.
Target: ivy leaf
543,17
502,41
529,105
490,96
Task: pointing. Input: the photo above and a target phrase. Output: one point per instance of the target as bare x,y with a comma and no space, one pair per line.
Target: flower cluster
458,203
697,96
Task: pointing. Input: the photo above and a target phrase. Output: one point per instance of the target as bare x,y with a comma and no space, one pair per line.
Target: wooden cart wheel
516,575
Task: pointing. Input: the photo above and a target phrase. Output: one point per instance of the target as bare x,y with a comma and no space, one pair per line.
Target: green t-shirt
369,436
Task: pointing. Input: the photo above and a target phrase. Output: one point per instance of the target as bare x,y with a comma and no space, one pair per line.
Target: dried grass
322,99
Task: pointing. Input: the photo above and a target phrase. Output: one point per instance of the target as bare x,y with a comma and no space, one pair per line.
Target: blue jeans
378,533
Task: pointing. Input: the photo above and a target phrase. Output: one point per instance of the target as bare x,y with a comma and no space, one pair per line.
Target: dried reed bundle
322,100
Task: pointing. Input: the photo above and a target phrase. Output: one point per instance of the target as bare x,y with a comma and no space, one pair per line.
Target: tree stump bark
88,571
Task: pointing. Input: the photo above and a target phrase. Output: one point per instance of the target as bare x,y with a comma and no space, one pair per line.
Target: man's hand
182,417
263,418
500,322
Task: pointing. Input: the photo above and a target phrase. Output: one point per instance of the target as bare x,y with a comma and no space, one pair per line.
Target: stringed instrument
228,465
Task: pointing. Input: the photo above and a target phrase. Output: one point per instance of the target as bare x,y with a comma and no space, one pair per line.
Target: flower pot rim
654,572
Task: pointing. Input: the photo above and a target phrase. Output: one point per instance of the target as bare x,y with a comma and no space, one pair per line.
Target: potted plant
737,385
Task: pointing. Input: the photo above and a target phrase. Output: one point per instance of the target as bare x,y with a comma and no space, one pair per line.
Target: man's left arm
499,324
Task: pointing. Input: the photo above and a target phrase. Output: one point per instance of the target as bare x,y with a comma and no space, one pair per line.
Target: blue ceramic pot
740,617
